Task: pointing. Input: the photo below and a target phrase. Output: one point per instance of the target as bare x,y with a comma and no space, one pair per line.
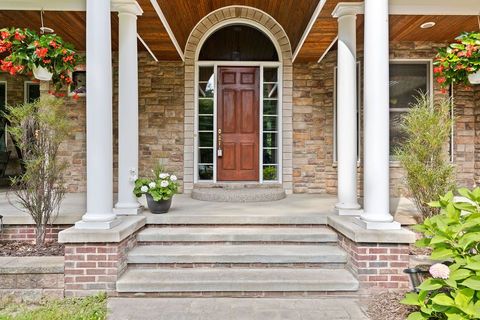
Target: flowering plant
453,291
162,186
22,50
457,61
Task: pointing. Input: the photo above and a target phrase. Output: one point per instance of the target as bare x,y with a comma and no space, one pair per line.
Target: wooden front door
238,124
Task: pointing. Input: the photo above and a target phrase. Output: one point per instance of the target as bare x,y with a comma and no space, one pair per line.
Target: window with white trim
408,79
32,91
206,148
270,125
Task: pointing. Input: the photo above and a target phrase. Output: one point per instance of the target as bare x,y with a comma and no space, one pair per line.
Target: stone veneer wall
313,168
161,114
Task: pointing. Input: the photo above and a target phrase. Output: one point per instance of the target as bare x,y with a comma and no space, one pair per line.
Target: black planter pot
158,207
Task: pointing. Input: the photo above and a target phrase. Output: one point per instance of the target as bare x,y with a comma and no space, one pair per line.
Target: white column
127,110
99,213
347,108
377,118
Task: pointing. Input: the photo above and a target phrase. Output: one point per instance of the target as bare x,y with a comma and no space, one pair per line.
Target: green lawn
88,308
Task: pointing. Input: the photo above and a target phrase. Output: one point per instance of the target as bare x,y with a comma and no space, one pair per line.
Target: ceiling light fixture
428,25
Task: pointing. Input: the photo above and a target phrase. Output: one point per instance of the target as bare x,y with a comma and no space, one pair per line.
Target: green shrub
454,237
424,154
38,129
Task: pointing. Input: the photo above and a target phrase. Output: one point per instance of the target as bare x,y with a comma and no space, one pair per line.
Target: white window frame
359,112
26,84
261,65
430,87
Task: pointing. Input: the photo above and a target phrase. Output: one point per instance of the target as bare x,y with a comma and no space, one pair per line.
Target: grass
88,308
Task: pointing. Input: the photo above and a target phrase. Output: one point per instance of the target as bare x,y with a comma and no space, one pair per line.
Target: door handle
219,143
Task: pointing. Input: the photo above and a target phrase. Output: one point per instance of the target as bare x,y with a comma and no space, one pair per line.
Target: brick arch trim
206,26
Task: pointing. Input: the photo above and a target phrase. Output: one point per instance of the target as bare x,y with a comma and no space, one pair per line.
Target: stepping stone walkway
234,309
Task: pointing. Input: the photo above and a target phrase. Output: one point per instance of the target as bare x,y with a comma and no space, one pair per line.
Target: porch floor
305,207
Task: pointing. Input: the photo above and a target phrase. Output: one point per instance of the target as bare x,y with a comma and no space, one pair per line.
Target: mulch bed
386,306
23,249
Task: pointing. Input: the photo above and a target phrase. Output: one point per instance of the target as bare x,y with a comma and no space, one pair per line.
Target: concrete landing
234,309
239,194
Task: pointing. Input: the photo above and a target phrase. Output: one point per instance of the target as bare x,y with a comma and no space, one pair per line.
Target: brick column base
95,267
377,265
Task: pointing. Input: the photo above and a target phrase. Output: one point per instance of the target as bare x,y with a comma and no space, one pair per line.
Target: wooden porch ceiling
293,15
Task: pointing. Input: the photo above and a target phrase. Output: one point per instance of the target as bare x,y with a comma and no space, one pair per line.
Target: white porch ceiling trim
63,5
328,49
312,21
147,47
160,14
426,7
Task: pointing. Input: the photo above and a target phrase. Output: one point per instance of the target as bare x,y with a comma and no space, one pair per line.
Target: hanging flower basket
42,73
47,56
474,78
459,62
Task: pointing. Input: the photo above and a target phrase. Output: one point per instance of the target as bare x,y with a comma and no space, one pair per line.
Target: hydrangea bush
162,186
453,291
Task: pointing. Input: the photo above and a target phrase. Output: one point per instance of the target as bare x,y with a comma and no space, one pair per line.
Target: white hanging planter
474,78
42,74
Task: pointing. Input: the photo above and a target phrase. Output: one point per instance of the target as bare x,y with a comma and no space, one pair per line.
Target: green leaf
452,283
463,297
438,239
460,274
473,266
441,254
443,300
417,316
422,243
473,283
431,284
411,299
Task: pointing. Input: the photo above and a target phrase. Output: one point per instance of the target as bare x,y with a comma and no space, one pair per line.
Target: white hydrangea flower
152,185
163,175
439,271
164,184
144,189
173,177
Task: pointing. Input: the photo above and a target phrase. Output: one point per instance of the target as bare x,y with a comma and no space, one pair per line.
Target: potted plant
159,190
459,62
47,56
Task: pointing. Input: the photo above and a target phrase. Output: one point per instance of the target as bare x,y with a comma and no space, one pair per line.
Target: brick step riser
192,243
238,225
328,265
246,294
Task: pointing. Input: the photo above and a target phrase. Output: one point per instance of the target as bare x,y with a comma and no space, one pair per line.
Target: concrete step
238,234
241,254
235,280
238,194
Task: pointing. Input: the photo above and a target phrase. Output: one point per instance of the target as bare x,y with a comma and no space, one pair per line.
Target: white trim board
62,5
312,21
147,47
162,18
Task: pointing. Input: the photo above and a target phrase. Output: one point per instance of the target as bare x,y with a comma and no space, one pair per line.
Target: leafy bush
423,154
38,129
454,237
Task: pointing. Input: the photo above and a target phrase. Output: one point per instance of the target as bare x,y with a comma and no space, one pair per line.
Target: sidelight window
270,139
206,90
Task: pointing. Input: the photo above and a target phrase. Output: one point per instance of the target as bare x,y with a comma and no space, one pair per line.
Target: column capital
348,9
127,6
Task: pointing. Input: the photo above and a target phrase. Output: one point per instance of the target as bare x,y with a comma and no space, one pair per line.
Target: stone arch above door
208,25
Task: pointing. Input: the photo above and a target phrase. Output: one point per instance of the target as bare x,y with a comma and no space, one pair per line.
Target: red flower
19,36
441,80
68,58
36,43
75,96
438,69
47,61
53,44
5,34
444,91
41,52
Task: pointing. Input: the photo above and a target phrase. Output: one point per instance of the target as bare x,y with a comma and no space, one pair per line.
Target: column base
123,211
349,212
371,225
97,225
